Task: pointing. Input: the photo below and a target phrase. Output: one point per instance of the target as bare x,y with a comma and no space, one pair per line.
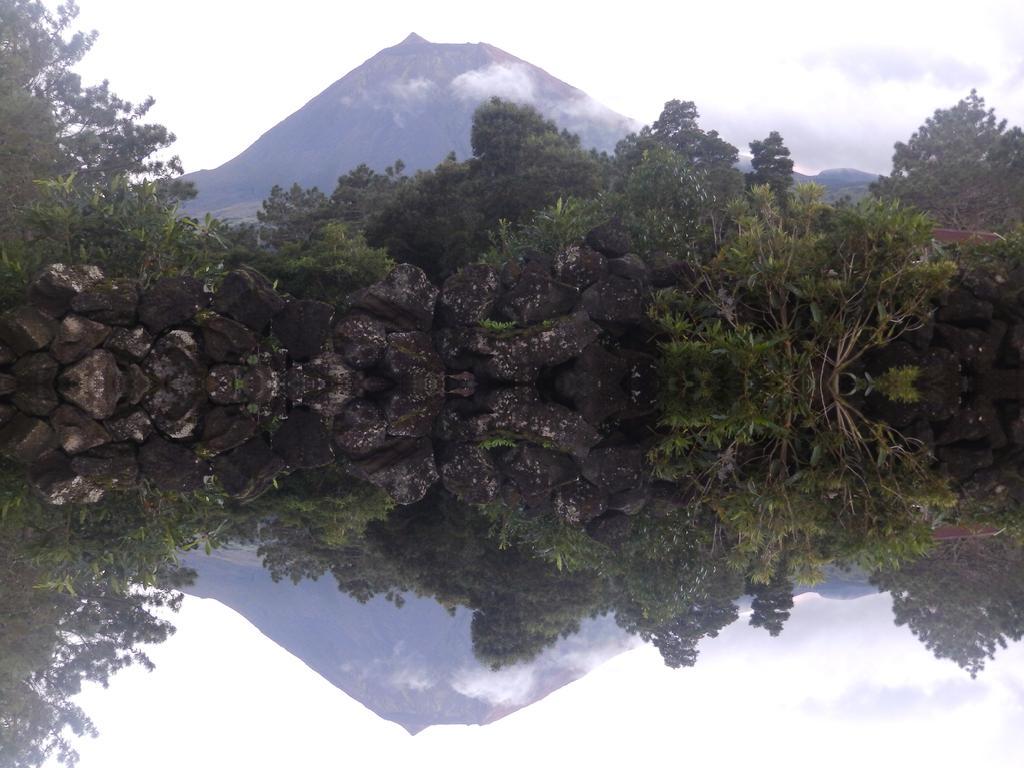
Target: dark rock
468,472
76,336
58,284
519,411
248,297
94,384
111,466
36,399
223,430
34,393
964,459
27,329
130,343
970,423
360,340
519,356
676,274
974,346
25,439
509,274
137,384
113,302
38,368
7,355
1015,345
536,298
612,239
960,307
226,340
303,327
249,470
982,286
615,469
920,338
578,502
225,384
76,432
612,530
132,426
7,412
594,384
8,384
579,266
324,384
360,429
614,300
179,377
641,382
537,471
631,501
412,363
303,441
405,470
54,479
919,433
630,267
404,299
171,467
172,301
469,296
262,385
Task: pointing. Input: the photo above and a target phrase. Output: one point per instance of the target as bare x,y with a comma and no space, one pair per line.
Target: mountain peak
414,39
414,101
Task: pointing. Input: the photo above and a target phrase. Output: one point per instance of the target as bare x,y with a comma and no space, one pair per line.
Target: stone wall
522,383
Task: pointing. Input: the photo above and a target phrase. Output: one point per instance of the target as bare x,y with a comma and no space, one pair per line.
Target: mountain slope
414,102
412,665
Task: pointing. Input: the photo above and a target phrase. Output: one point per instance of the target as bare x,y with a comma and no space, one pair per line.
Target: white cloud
413,679
507,81
571,657
414,90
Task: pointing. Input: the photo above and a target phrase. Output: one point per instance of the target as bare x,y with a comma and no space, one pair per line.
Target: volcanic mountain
414,102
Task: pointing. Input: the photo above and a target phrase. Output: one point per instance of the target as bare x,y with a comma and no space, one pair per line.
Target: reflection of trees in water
51,642
671,574
964,600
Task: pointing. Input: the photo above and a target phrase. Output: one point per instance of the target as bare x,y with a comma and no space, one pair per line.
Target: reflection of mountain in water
413,665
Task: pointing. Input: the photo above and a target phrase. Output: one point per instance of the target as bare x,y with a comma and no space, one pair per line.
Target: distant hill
840,182
414,102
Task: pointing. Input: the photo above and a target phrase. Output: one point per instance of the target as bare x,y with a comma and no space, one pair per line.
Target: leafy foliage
771,164
57,125
964,166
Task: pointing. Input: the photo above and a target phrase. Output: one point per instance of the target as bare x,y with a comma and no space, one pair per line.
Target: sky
842,686
841,81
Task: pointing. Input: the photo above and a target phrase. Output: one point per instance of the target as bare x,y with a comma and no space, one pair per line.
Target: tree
772,603
292,216
710,161
441,220
51,124
329,264
771,163
362,191
964,166
964,601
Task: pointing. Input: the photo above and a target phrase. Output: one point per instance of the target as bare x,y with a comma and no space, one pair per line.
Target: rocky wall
526,383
